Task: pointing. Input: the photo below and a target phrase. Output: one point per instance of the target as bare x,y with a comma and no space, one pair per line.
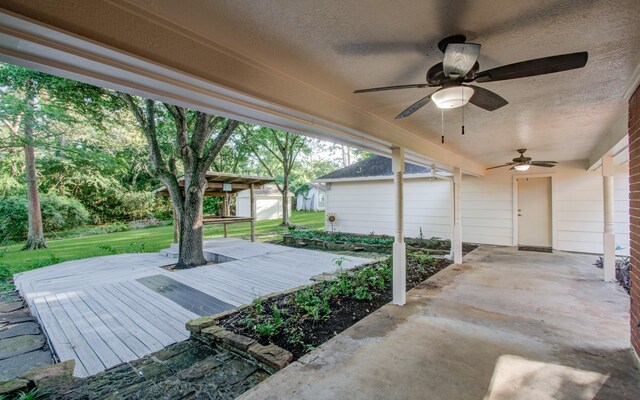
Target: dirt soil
345,311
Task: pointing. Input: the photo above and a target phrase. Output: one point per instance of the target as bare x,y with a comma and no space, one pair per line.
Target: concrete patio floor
504,325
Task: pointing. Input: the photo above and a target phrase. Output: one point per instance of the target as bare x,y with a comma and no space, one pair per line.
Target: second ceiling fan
460,67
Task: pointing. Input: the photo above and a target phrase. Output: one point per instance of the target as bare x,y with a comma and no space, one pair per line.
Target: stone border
289,240
271,357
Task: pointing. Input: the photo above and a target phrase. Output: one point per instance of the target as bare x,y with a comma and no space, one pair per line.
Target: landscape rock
13,386
240,342
16,317
11,306
215,334
151,369
173,350
272,355
24,328
323,277
19,345
62,369
18,365
198,324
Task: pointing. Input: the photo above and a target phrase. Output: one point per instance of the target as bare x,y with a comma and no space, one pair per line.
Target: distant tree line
73,154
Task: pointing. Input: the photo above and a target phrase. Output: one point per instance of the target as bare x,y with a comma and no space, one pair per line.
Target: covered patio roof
299,74
219,183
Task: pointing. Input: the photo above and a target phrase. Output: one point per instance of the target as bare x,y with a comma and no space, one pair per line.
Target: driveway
504,325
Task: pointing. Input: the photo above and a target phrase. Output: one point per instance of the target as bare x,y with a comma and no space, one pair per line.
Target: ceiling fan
460,67
522,163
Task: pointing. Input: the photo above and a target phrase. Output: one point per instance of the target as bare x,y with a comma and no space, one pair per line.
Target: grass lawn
138,241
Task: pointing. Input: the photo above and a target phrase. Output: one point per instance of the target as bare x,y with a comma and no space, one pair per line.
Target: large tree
31,103
197,139
276,151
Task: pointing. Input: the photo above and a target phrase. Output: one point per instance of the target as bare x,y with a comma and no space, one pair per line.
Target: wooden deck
103,311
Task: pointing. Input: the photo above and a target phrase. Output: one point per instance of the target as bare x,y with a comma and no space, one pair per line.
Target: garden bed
302,320
338,241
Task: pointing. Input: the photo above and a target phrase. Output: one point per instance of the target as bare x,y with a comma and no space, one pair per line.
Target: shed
268,203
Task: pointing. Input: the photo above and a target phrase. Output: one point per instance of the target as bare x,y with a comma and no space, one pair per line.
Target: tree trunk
285,201
191,228
35,236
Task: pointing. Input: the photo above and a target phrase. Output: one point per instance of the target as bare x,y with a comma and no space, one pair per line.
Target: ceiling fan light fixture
521,167
452,96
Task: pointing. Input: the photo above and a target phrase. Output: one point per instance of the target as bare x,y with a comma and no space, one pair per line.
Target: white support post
608,236
252,200
399,248
456,243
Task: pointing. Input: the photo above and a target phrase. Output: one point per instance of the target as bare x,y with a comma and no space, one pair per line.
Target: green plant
266,329
277,317
108,248
308,302
294,335
362,293
30,395
58,213
258,306
339,261
308,347
135,247
248,322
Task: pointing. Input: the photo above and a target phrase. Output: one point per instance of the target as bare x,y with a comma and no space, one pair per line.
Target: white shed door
534,212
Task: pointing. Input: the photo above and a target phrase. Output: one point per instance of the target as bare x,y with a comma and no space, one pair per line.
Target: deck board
98,312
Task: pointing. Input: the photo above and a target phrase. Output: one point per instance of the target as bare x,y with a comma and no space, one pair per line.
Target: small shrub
108,248
266,329
257,306
362,293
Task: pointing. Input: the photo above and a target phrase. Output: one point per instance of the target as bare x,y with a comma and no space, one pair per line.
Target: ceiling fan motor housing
436,76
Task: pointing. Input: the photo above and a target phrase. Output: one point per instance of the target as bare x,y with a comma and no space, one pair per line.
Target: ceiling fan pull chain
442,124
462,115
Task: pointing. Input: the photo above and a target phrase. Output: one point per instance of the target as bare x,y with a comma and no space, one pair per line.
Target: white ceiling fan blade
459,58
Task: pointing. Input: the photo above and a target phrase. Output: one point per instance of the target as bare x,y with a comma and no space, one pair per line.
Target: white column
608,236
252,200
456,243
399,249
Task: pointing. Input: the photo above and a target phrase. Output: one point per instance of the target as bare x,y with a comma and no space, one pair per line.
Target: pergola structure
225,186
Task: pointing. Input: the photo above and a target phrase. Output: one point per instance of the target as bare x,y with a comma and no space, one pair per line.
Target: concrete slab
504,325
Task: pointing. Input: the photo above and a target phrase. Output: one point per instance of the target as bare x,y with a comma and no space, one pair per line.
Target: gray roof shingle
371,167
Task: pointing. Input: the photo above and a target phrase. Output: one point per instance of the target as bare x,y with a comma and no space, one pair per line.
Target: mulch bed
301,333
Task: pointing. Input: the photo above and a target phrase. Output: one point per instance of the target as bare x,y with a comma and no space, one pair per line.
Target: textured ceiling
340,46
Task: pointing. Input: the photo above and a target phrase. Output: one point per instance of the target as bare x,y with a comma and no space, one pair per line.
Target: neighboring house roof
372,167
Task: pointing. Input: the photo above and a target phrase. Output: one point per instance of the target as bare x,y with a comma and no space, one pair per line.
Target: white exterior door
534,212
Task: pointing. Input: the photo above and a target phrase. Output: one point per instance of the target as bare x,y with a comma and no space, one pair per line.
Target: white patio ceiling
309,57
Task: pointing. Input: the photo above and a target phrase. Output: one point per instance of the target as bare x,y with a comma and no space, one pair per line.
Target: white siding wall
267,206
487,207
367,206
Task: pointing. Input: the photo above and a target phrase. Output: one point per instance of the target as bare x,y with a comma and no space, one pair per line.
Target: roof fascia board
377,178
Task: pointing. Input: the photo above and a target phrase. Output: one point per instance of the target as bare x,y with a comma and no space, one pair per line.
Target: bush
58,213
140,205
